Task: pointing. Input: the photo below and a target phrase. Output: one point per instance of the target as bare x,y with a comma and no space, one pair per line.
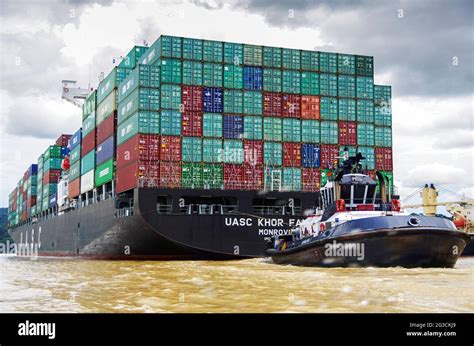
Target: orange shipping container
310,107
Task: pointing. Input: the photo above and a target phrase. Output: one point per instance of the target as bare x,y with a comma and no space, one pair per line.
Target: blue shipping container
212,100
233,126
75,139
33,170
105,151
310,155
53,200
64,151
253,78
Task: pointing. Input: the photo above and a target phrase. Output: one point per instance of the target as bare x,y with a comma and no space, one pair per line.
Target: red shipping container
291,154
310,107
192,124
310,179
51,176
233,176
253,152
170,174
170,148
252,177
347,133
272,104
291,106
191,97
372,175
383,159
73,189
88,143
137,174
63,140
106,128
139,148
329,154
31,201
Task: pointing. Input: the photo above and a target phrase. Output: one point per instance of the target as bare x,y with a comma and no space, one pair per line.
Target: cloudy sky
424,49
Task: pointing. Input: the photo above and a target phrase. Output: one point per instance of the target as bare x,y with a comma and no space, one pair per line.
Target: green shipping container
272,57
192,49
212,176
106,107
212,150
328,108
272,129
142,99
212,75
104,173
383,115
171,96
364,65
310,131
170,123
74,171
310,83
382,94
192,73
346,86
170,47
253,103
233,53
233,77
291,82
365,87
253,55
171,71
143,76
140,122
368,153
291,130
346,64
365,111
131,59
383,136
326,175
88,162
389,175
347,109
191,175
272,80
365,134
52,151
212,125
88,124
233,101
89,104
213,51
309,60
272,154
328,62
291,179
329,132
291,59
328,84
52,163
112,81
253,127
233,151
191,149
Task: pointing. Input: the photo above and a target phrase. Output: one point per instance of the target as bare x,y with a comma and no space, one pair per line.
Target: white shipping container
87,181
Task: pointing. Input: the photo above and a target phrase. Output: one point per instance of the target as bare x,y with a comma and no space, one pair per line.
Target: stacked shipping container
190,113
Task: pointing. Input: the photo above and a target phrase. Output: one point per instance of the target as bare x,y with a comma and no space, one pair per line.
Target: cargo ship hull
101,230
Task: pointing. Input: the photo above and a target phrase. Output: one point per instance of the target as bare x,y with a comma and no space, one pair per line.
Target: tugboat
358,227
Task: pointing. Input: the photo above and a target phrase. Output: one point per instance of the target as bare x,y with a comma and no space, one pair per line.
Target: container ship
200,149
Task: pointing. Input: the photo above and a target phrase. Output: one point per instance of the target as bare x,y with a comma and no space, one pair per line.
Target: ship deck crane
462,209
74,94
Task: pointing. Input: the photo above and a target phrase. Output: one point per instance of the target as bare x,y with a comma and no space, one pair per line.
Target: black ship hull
388,245
100,231
469,250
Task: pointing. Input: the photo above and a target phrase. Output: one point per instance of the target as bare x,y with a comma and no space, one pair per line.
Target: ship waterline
253,285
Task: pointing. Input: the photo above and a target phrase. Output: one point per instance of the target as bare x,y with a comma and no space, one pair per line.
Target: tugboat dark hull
385,247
